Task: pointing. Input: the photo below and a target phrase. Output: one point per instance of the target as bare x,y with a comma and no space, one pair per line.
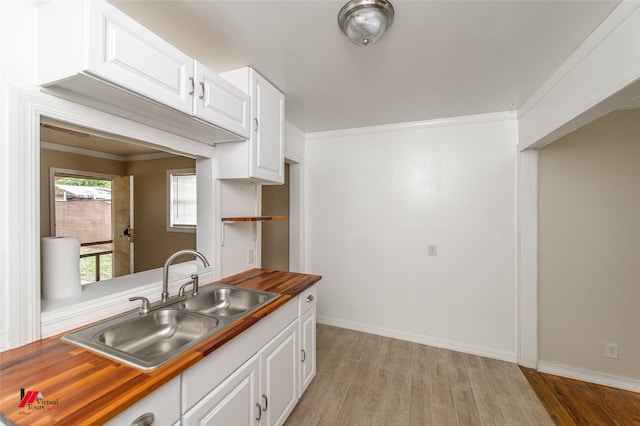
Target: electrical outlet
251,256
611,350
432,249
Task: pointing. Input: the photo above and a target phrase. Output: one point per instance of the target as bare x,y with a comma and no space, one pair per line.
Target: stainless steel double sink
148,340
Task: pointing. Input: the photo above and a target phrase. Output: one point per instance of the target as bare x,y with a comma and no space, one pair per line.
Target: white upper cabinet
130,56
216,100
261,158
91,51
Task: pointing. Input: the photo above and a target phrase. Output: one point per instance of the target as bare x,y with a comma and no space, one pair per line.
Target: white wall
378,196
238,199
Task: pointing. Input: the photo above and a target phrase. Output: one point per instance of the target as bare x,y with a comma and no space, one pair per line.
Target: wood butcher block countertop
85,388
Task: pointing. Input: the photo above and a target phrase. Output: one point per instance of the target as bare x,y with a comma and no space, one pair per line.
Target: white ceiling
439,59
90,141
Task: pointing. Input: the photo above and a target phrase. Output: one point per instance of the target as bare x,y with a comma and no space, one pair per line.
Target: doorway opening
83,210
275,233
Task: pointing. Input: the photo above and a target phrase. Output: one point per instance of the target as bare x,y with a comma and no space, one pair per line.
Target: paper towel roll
60,267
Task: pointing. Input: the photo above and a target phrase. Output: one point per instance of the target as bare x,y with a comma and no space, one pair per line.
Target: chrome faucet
165,269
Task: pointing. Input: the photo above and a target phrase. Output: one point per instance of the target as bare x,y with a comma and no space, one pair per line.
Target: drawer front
307,299
163,406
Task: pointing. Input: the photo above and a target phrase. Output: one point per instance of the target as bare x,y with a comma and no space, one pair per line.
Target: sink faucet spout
165,269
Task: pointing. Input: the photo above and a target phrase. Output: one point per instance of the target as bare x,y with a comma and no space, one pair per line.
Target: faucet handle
145,304
194,278
193,283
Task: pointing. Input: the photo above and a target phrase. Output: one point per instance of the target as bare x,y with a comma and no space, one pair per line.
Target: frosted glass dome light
365,21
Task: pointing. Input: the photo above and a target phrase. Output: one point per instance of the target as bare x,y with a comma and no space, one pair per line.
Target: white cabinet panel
234,402
218,101
126,54
261,158
279,376
267,151
307,349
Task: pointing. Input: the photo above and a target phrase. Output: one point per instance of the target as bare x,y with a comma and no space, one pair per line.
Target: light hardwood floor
364,379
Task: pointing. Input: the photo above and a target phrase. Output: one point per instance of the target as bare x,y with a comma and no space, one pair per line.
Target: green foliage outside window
84,182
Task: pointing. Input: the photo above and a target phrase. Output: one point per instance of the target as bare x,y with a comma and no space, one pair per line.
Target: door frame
296,216
52,190
131,225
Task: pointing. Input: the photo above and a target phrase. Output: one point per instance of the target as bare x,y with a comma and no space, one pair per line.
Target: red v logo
29,397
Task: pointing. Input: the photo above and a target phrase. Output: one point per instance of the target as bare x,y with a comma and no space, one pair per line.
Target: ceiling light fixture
365,21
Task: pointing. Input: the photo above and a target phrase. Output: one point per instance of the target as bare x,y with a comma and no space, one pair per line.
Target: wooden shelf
253,218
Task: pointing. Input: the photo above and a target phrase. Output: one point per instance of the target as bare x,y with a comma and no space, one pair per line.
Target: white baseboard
421,339
590,376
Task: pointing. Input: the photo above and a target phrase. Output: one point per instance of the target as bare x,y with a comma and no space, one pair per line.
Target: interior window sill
103,299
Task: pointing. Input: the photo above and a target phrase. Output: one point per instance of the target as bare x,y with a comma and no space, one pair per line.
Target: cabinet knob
202,87
266,402
193,86
259,416
304,355
310,298
146,419
255,124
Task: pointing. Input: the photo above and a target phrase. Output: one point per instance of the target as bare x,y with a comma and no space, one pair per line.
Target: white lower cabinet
307,301
307,349
261,392
279,376
233,402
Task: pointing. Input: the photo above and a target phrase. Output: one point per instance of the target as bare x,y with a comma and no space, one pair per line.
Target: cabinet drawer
307,299
163,404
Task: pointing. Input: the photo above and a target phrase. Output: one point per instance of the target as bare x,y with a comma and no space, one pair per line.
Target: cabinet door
279,370
307,348
128,55
233,402
218,101
267,149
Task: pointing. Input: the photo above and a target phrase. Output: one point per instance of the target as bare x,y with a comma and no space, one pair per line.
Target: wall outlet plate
611,350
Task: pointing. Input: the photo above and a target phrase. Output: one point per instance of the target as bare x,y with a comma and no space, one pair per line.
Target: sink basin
225,301
146,341
157,333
